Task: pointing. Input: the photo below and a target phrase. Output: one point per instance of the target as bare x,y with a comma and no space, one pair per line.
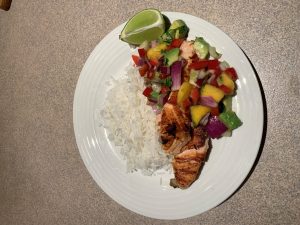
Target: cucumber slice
201,47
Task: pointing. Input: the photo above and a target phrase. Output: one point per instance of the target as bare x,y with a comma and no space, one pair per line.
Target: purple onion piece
176,75
215,128
208,101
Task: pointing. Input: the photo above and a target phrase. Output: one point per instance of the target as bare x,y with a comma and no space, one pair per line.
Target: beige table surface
43,47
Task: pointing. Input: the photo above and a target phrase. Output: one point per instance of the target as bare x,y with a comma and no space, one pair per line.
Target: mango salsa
226,80
212,91
155,53
198,112
184,92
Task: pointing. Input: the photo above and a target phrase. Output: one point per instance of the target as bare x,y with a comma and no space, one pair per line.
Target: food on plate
148,24
130,125
188,87
187,164
174,129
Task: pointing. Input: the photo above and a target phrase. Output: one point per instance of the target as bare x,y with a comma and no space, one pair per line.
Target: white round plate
230,159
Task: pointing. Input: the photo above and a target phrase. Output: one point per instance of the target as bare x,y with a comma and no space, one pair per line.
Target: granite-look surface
43,47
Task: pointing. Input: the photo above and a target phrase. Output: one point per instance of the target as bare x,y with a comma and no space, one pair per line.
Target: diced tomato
226,90
164,89
198,65
199,82
135,59
176,43
186,104
142,52
231,72
153,62
143,70
147,91
213,64
195,94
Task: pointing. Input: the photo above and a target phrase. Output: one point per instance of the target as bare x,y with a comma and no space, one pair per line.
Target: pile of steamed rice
131,125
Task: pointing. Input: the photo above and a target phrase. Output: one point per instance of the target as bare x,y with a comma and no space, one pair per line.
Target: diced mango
216,93
184,92
226,80
198,112
155,53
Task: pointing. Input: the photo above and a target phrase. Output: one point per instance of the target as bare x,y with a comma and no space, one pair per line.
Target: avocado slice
201,47
171,56
178,29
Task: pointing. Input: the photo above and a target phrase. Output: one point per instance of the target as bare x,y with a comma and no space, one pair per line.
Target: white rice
131,125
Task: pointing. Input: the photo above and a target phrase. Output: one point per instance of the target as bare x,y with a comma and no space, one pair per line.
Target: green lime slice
146,25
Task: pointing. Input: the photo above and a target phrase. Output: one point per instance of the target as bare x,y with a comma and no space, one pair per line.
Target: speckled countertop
43,47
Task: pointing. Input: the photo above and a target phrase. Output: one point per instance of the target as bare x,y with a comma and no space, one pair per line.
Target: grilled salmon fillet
174,129
187,164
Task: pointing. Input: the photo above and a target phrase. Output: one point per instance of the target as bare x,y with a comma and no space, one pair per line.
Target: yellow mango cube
216,93
155,53
226,80
198,112
184,92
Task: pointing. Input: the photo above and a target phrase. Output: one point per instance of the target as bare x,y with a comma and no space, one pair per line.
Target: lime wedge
146,25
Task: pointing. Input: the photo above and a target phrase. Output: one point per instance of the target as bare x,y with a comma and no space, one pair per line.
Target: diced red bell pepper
153,62
176,43
143,70
215,111
226,90
198,65
147,91
195,95
213,64
135,59
209,64
231,72
142,52
164,89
